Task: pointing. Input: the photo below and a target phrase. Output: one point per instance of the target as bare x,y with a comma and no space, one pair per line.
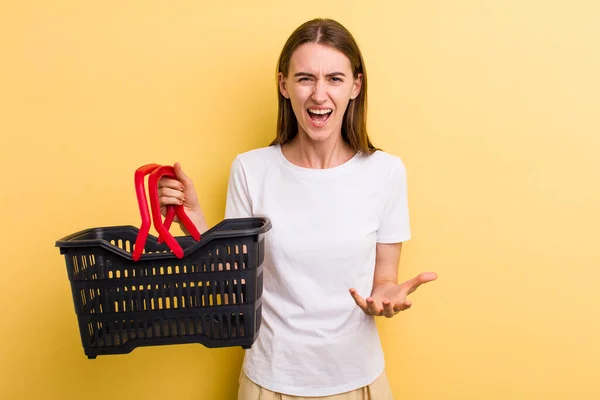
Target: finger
170,183
170,201
417,281
186,180
168,192
373,307
388,309
359,300
402,305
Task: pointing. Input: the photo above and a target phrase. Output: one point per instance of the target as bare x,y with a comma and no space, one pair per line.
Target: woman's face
319,85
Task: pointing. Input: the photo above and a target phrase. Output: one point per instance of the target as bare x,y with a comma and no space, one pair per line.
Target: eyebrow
298,74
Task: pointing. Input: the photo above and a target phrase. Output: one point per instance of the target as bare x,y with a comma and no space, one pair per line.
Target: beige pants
378,390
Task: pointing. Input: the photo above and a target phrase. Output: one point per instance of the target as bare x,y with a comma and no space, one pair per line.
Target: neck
308,153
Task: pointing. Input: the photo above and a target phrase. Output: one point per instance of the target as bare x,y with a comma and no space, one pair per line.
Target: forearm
386,265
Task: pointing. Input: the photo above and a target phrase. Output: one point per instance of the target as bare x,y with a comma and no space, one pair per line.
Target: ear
283,87
357,87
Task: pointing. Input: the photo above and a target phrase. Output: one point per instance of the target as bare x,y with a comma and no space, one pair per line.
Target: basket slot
171,299
166,327
147,299
176,328
131,330
212,260
217,298
228,329
196,293
186,325
214,326
223,325
75,266
217,265
157,329
179,297
122,333
202,295
238,291
138,330
211,293
162,300
196,326
206,325
160,304
224,299
173,328
125,326
217,326
230,298
138,299
237,325
119,300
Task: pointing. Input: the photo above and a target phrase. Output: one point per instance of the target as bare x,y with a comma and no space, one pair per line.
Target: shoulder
256,160
384,163
260,155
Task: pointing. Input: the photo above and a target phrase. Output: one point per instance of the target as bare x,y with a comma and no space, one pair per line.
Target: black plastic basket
211,296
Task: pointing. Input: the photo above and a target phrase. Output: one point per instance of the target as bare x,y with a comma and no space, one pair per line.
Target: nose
319,94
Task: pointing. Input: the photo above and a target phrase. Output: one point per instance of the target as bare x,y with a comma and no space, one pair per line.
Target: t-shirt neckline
317,172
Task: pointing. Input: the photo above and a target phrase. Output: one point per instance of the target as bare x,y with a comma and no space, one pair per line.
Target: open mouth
319,117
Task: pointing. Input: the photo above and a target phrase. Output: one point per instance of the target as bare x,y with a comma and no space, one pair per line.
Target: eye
336,79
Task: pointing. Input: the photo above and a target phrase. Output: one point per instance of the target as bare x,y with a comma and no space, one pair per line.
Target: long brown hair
332,33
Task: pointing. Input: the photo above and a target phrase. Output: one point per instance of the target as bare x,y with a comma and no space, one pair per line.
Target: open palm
388,298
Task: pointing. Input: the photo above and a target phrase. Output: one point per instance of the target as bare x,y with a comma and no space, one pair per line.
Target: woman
339,214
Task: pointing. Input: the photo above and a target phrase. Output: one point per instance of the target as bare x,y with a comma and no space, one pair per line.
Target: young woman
339,214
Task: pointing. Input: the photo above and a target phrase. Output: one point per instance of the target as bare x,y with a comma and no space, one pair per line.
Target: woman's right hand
181,191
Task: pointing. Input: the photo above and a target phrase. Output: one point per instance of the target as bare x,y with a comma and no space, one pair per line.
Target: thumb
420,279
181,176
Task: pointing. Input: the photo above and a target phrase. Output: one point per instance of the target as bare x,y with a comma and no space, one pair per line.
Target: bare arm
386,264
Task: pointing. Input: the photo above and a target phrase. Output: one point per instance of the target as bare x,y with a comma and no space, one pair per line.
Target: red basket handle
156,172
140,191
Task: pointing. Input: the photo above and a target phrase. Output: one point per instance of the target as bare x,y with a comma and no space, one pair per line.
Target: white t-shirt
314,340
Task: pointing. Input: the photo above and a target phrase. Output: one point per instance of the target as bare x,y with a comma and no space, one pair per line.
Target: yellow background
493,106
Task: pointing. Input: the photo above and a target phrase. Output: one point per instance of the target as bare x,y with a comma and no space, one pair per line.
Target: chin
319,135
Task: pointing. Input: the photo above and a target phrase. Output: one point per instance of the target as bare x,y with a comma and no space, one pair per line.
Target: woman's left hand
388,298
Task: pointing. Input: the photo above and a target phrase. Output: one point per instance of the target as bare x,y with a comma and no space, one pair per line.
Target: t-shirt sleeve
394,225
238,204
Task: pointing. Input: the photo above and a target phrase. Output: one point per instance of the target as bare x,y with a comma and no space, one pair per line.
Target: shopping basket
209,293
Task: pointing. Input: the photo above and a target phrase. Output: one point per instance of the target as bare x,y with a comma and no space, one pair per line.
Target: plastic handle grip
155,172
140,191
